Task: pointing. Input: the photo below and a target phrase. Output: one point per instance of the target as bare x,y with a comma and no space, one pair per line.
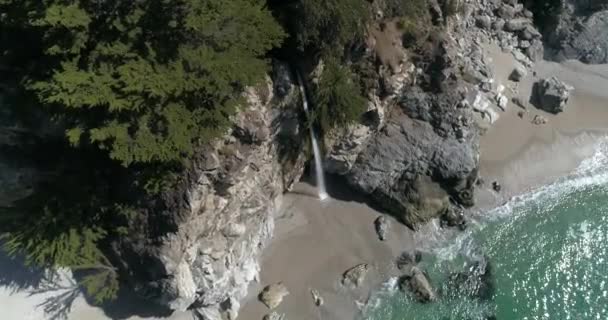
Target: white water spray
315,146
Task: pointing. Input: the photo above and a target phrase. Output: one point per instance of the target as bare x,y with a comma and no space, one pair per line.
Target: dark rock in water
408,259
382,225
551,95
417,282
476,282
496,186
484,22
453,217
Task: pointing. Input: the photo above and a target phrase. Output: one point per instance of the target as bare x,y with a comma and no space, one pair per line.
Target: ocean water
547,253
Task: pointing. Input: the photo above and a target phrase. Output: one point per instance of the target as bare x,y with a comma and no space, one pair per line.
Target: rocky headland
415,156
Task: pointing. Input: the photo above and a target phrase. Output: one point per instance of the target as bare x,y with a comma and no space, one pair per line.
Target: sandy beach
316,242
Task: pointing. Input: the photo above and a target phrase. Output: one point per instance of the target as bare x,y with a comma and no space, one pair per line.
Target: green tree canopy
144,80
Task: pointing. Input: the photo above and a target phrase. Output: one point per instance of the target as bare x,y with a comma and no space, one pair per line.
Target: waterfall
315,146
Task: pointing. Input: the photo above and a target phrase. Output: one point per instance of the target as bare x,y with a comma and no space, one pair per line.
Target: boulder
518,73
274,316
408,259
506,12
552,95
484,22
420,158
517,24
502,101
381,225
417,282
529,33
498,25
539,120
355,275
316,298
273,295
535,51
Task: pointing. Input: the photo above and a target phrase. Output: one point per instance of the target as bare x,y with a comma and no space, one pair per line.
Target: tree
331,24
144,80
338,96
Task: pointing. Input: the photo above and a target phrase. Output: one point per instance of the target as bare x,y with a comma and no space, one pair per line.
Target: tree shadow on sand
59,291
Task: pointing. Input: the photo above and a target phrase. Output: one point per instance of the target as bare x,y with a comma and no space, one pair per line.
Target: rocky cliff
415,153
577,30
198,247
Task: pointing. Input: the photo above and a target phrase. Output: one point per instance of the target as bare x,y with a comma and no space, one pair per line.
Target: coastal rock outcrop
579,30
417,282
552,94
355,275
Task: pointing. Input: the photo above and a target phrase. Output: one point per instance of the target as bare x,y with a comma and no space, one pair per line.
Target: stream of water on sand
548,251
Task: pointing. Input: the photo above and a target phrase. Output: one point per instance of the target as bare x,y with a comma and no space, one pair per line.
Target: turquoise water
548,252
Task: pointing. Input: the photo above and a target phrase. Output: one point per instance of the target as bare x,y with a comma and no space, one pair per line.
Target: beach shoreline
516,153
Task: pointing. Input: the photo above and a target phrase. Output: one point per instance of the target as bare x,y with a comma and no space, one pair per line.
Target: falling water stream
315,146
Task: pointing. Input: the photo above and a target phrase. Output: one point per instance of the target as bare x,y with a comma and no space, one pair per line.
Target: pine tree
144,80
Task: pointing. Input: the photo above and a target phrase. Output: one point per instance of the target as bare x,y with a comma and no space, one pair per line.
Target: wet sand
521,155
316,242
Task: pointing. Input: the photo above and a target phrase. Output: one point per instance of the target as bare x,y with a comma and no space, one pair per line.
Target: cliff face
578,31
219,218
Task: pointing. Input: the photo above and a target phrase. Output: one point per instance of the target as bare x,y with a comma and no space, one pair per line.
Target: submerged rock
382,225
552,95
273,295
418,283
355,275
476,282
408,259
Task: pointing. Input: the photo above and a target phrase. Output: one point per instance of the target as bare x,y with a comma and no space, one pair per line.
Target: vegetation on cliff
133,88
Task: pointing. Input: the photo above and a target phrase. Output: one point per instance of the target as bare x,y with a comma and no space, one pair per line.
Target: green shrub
337,96
331,24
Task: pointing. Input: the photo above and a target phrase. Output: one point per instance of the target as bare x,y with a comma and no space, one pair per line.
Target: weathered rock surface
274,316
519,72
412,167
580,31
316,298
476,282
417,282
198,245
551,94
273,295
355,275
381,224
